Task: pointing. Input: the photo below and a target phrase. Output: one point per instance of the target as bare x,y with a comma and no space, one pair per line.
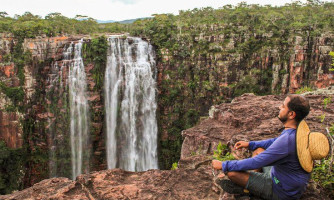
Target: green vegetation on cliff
11,168
95,52
16,94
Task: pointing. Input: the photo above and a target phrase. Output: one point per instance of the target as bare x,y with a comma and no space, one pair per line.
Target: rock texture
119,184
10,130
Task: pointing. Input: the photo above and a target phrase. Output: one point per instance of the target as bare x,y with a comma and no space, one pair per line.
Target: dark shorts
261,184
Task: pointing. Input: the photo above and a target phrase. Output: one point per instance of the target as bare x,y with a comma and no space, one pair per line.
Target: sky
117,9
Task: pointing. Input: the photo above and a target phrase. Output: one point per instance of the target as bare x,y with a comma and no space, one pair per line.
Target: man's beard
283,119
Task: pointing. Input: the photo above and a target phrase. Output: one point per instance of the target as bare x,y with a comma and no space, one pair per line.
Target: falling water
130,105
78,111
57,121
53,83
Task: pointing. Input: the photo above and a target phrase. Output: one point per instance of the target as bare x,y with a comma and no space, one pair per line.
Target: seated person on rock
287,160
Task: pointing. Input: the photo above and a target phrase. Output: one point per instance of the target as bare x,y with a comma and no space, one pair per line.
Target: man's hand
241,144
216,164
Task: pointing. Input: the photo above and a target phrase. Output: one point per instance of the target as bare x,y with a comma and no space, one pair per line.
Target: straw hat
310,146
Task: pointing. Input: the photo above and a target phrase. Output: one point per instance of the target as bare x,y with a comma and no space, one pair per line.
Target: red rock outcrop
119,184
247,117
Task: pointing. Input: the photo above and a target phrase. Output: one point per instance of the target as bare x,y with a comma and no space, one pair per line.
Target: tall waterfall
130,105
56,104
80,149
53,91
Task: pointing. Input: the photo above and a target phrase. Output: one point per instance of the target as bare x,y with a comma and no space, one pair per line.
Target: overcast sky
117,9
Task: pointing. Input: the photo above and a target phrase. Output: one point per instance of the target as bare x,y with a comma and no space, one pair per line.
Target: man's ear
292,115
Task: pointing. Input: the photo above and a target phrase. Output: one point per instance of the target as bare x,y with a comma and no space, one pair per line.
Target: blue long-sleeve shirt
289,178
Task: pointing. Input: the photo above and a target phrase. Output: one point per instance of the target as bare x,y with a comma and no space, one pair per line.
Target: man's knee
240,178
232,175
257,151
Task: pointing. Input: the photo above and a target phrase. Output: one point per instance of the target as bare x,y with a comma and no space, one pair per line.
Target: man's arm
277,151
265,144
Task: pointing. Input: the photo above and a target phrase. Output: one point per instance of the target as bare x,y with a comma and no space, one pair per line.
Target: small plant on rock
174,166
303,90
222,153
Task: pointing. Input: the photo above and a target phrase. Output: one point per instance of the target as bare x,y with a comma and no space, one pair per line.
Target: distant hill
127,21
105,21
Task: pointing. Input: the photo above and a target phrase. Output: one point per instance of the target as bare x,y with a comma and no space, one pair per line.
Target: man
284,175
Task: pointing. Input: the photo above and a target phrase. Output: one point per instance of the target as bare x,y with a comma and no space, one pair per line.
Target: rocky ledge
248,117
120,184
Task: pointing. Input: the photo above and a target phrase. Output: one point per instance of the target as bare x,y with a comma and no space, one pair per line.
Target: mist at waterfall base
130,109
130,105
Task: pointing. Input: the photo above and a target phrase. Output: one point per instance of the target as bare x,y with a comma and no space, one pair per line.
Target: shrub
221,153
174,166
303,90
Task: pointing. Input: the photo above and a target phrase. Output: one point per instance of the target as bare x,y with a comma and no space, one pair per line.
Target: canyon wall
213,64
35,112
34,108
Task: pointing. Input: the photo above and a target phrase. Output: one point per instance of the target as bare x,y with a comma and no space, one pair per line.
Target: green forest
163,29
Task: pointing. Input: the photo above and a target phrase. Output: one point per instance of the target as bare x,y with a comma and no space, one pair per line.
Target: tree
53,15
80,17
3,14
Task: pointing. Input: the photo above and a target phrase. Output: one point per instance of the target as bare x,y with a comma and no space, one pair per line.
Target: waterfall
52,81
79,115
130,105
57,125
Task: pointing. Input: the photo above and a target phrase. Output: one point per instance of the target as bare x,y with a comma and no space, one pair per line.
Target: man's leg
255,153
259,184
241,178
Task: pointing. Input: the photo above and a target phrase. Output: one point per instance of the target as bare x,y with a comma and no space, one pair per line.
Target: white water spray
131,105
79,112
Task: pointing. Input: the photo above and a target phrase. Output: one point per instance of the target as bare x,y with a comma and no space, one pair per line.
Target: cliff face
211,67
39,117
34,107
10,130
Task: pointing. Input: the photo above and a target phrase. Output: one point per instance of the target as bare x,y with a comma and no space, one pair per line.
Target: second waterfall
130,105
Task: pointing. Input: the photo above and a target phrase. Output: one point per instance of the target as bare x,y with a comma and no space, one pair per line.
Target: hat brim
302,141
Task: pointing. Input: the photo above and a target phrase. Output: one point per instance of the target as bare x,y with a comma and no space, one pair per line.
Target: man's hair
300,105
